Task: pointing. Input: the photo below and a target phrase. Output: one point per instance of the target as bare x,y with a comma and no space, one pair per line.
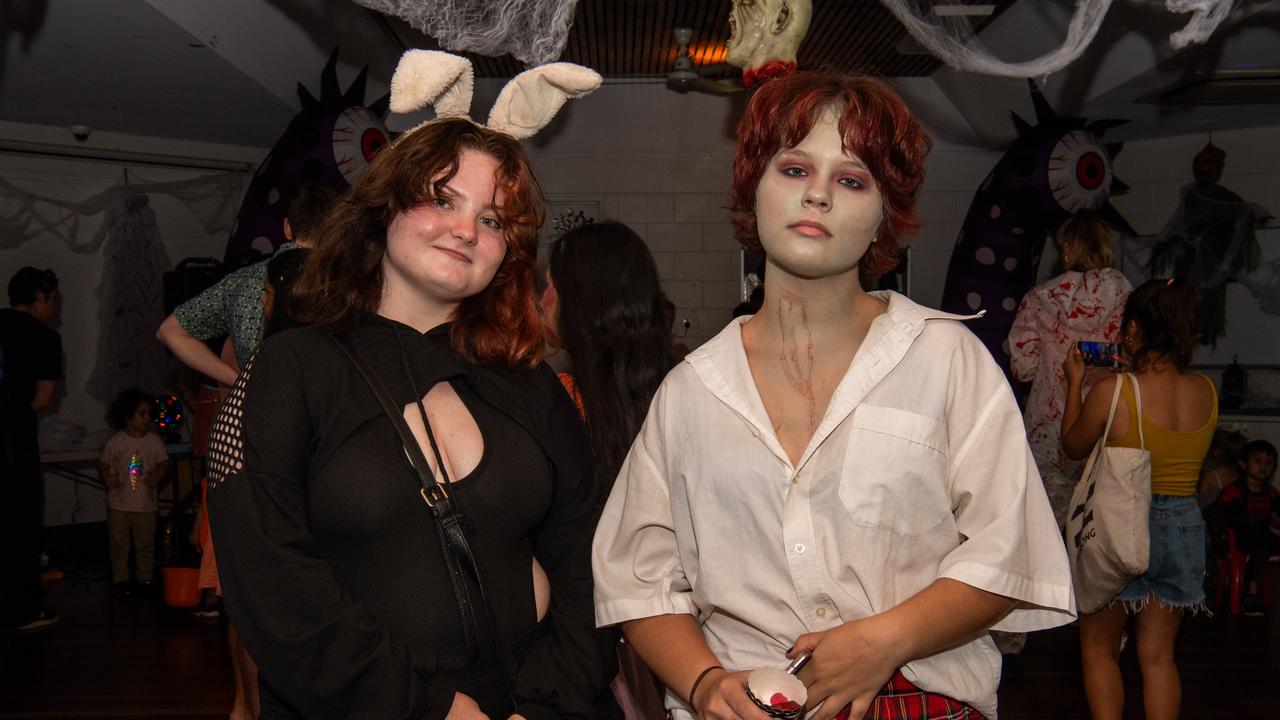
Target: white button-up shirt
919,470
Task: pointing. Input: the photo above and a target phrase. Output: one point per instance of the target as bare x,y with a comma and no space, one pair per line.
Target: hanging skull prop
764,36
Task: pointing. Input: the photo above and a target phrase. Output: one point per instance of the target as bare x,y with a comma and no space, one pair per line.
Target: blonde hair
1087,240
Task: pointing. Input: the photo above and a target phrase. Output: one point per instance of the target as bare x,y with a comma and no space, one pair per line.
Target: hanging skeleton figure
765,35
1210,240
130,303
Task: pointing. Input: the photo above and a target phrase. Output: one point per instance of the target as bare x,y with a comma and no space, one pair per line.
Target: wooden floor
109,658
1229,664
137,658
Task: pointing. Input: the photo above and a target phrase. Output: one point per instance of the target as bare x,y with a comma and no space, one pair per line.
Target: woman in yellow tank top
1179,411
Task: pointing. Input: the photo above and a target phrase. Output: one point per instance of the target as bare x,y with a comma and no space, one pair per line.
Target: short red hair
875,125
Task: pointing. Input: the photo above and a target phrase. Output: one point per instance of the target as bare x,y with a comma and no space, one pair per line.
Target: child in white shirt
131,465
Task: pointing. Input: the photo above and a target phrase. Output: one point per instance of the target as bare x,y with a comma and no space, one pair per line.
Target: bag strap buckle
433,495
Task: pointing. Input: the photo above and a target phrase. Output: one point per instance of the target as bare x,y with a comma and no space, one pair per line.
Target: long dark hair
341,284
282,272
1164,311
615,330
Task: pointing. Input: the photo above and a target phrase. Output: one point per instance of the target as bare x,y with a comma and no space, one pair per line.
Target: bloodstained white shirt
919,470
1051,318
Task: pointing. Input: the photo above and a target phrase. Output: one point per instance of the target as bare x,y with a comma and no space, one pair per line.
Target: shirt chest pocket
894,474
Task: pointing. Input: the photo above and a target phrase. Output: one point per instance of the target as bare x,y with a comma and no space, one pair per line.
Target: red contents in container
782,702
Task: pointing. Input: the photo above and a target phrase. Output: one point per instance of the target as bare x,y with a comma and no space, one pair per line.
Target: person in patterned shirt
234,305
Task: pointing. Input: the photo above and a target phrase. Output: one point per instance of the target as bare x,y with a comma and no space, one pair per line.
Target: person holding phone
1083,303
1174,422
1100,354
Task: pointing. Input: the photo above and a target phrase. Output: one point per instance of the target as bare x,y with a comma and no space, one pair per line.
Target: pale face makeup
447,249
817,207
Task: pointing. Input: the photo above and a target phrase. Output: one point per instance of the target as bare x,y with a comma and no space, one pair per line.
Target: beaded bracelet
698,682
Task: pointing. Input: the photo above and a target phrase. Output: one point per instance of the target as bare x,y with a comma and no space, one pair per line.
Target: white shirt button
822,612
800,548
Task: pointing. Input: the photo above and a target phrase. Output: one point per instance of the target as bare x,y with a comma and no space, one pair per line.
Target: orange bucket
181,586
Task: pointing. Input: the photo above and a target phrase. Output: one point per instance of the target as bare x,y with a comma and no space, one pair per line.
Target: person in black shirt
331,565
32,356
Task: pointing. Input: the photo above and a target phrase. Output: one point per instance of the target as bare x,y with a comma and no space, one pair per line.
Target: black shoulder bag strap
457,553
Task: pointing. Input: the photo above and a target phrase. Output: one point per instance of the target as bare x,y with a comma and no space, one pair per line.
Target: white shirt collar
721,363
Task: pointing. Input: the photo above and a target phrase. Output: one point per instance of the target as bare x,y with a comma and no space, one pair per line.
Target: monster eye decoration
1079,172
329,142
357,137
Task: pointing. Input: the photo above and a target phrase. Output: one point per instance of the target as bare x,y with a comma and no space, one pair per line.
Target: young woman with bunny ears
407,532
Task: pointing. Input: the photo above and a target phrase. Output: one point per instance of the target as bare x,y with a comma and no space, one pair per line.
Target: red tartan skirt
900,700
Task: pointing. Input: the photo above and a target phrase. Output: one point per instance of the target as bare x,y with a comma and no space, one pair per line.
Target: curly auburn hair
875,125
341,283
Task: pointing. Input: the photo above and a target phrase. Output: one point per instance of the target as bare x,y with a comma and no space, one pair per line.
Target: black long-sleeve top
332,570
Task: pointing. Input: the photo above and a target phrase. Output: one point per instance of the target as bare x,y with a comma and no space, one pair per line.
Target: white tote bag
1108,540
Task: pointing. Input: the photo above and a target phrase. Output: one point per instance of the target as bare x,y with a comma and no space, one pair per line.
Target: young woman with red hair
843,474
337,574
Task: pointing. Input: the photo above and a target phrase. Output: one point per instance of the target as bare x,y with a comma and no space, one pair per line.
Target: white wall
662,162
72,179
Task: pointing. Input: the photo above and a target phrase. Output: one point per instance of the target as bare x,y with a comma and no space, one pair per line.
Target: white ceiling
1129,59
226,71
124,66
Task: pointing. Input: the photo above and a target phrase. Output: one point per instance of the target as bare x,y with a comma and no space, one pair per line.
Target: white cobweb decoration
532,31
25,216
130,302
952,40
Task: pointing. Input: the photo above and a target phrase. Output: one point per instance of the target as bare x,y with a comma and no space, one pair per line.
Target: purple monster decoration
1051,171
329,143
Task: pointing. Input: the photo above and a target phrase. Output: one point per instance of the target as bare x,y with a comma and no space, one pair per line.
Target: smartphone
1099,354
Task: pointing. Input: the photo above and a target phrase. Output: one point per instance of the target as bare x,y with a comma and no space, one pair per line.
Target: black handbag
453,541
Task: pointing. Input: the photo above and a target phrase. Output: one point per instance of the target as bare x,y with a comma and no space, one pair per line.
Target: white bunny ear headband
525,105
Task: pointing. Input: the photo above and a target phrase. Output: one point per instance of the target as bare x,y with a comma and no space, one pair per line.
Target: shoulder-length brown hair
874,124
341,284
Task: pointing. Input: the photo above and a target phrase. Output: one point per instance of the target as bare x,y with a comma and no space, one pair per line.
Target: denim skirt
1175,570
